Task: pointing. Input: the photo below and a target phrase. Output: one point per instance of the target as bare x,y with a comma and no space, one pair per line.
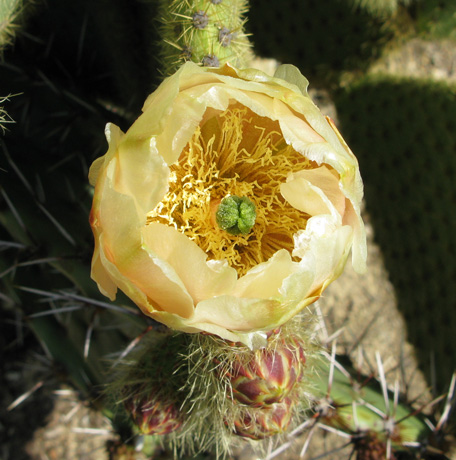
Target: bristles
191,372
11,18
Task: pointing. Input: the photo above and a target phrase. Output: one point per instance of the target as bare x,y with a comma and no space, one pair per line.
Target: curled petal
265,280
315,192
203,279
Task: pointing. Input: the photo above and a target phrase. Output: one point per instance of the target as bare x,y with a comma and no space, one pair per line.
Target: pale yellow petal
324,246
119,227
253,339
236,313
122,282
265,280
302,195
314,191
291,74
99,273
185,116
113,136
296,131
142,174
203,279
359,248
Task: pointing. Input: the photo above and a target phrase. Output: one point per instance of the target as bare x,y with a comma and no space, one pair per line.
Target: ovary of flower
206,134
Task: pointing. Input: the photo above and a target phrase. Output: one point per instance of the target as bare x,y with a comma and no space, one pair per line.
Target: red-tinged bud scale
265,421
151,415
269,375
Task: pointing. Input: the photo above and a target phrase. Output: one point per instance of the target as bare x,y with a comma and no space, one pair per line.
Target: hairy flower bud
153,415
265,422
269,376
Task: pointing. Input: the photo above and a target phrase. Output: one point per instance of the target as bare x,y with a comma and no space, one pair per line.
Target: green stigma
236,215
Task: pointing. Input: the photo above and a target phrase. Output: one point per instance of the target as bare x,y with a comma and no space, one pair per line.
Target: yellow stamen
234,153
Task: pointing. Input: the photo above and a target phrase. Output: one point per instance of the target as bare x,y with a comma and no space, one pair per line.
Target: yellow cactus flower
228,206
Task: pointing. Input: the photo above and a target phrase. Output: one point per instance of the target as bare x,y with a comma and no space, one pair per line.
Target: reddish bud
152,415
269,376
266,421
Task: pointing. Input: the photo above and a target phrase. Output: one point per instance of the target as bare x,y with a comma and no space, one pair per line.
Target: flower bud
153,415
265,422
269,376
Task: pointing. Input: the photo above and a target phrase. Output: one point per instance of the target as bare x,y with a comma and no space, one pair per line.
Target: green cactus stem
208,32
368,411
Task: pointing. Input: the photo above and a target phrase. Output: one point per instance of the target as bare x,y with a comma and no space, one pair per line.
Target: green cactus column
208,32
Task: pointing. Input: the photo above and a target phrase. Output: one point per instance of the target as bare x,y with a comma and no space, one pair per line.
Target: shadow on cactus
322,38
403,132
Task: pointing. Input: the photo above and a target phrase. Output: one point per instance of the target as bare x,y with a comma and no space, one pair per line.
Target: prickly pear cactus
210,394
377,420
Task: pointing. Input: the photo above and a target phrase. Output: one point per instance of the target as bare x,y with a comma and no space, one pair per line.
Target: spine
208,32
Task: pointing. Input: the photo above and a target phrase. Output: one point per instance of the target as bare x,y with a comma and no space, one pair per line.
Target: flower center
236,215
229,175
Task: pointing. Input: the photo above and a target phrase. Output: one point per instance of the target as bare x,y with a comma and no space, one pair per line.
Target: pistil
236,215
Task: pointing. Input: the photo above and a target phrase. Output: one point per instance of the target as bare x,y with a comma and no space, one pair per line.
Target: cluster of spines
4,117
378,423
217,396
202,409
216,418
208,32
